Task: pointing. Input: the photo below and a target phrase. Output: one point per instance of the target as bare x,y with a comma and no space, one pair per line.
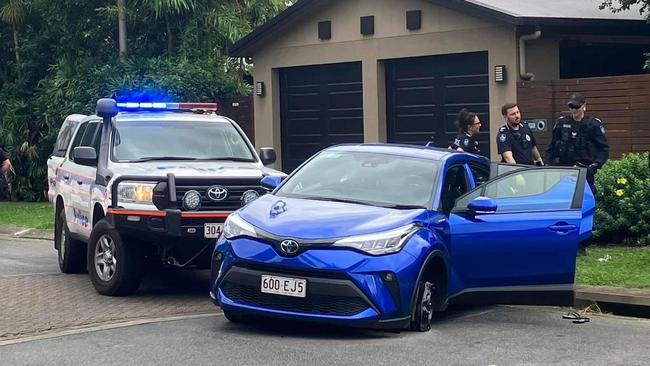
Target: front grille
236,189
312,304
325,296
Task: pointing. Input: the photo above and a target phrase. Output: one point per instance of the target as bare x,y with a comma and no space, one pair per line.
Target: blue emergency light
166,106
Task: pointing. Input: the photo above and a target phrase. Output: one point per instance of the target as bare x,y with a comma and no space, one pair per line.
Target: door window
77,139
529,190
90,134
455,185
481,174
63,140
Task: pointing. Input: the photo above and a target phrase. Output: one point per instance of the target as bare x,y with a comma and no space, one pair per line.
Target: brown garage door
424,95
321,106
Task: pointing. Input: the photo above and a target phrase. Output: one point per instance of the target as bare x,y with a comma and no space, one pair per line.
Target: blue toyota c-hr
381,235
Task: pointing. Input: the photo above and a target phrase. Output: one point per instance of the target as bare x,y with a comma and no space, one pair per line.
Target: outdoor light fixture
500,73
259,88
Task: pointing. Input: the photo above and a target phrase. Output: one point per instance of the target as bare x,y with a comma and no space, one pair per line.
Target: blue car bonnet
285,217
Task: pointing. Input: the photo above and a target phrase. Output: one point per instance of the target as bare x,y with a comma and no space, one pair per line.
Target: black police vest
575,142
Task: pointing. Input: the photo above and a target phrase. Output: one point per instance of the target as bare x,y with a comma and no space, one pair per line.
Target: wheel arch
98,213
435,267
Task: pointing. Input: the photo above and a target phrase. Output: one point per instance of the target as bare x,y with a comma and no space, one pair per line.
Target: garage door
321,106
424,95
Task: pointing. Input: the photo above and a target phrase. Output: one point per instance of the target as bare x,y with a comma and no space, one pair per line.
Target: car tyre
71,252
115,268
424,306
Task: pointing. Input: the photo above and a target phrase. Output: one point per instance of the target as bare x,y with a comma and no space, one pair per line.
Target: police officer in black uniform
579,140
515,142
468,129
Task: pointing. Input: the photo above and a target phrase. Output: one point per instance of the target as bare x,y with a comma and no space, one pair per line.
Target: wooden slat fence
621,102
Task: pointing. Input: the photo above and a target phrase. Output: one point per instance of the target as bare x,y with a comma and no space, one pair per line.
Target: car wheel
423,307
71,252
115,267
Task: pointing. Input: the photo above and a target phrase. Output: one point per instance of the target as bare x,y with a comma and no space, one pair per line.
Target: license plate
212,231
284,286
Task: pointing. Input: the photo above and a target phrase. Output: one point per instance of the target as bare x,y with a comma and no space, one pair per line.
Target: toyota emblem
217,193
289,246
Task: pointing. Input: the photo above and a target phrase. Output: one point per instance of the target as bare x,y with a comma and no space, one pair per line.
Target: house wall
443,31
543,58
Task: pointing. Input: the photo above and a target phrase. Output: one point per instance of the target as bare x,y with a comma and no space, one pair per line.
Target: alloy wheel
105,259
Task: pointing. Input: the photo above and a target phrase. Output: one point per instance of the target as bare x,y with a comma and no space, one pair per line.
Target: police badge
502,137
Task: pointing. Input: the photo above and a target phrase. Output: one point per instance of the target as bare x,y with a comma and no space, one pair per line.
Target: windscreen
367,178
183,140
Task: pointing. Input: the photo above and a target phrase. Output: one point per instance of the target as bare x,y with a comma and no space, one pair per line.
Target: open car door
514,238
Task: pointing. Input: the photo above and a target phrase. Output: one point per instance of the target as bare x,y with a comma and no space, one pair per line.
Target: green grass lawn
39,215
628,267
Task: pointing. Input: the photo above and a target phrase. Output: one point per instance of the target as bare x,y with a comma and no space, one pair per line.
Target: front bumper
343,286
170,222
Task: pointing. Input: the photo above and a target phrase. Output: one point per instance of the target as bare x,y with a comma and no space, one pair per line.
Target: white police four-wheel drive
143,182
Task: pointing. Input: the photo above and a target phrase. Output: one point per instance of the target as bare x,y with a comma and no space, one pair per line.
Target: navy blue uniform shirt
520,142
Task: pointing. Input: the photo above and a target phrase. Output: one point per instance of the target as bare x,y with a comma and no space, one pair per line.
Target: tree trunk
16,46
121,21
170,42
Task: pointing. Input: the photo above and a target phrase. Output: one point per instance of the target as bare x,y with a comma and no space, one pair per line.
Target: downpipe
522,54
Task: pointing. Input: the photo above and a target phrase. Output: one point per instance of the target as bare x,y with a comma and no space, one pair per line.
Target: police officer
515,141
468,128
5,164
579,140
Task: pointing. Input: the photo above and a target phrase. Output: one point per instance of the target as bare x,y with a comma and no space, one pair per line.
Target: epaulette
503,129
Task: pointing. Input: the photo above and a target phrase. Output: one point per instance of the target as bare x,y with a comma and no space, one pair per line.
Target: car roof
416,151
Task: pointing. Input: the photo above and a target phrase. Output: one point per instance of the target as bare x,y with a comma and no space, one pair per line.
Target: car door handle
562,228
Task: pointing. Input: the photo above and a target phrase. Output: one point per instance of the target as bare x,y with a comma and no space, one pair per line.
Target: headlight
135,192
380,243
236,226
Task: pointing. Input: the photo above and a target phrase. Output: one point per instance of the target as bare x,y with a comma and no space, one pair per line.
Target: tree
121,23
620,5
233,19
14,14
167,10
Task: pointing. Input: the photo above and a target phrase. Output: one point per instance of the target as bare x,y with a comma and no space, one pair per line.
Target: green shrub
623,201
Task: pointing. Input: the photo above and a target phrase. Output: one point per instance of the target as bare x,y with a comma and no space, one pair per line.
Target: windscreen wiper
156,158
368,203
333,199
403,207
229,158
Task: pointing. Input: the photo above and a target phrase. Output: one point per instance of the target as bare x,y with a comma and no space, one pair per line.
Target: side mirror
267,154
483,205
271,181
85,155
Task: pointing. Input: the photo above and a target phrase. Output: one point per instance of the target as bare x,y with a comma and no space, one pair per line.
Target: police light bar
161,106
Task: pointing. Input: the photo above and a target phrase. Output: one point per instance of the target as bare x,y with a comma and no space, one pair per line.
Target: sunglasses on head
575,106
